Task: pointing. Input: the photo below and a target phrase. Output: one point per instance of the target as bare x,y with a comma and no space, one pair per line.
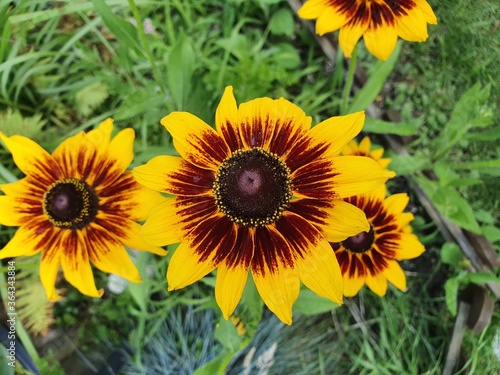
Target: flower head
371,256
380,22
364,149
262,192
77,206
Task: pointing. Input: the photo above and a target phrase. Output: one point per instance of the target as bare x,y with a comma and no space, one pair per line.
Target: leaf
14,123
481,278
375,82
227,335
405,164
467,113
309,303
490,167
286,56
451,205
491,232
386,127
451,254
451,292
123,30
180,72
90,97
282,23
444,173
138,102
215,366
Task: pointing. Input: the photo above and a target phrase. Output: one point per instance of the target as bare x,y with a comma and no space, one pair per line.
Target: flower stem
349,80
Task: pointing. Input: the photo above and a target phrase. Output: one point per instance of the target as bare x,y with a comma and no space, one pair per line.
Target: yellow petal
377,284
279,289
32,159
229,287
226,119
349,36
424,6
312,9
409,247
352,286
132,238
395,275
49,268
357,175
331,20
75,263
365,145
338,131
381,40
412,26
171,174
26,240
344,220
109,255
201,252
10,214
121,149
145,199
195,141
396,203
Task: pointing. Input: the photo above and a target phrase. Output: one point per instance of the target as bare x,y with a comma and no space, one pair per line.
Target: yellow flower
77,206
364,149
380,22
262,192
371,257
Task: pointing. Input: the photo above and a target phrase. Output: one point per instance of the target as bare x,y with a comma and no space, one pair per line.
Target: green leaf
286,56
467,113
481,278
490,167
444,173
90,97
14,123
215,366
180,72
138,102
486,135
309,303
123,30
450,204
282,23
491,232
373,86
386,127
451,292
405,164
451,254
227,335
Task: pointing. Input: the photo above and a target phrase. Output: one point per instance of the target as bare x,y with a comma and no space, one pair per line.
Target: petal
336,221
200,253
226,119
424,6
229,287
108,254
316,261
49,269
316,180
396,203
24,187
32,159
75,262
350,34
173,175
195,141
171,221
365,145
312,9
10,214
338,131
121,149
353,285
395,275
409,247
357,175
381,39
30,238
331,20
145,199
275,275
412,25
377,284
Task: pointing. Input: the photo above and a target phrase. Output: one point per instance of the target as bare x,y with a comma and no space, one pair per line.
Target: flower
77,206
380,22
262,192
371,256
364,149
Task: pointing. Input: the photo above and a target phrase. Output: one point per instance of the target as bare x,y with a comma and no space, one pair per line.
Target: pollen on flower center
253,187
360,242
70,204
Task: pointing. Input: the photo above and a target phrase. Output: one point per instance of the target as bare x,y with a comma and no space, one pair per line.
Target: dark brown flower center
70,204
361,242
253,187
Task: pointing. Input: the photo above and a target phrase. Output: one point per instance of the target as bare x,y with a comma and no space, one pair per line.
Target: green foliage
12,122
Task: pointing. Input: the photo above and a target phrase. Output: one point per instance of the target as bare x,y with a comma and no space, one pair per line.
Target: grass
65,66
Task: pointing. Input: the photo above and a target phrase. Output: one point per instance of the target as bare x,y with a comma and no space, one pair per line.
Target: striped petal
10,214
195,141
173,175
226,119
49,269
381,40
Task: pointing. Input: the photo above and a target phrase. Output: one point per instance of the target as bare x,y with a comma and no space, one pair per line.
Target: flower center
70,204
253,187
361,242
